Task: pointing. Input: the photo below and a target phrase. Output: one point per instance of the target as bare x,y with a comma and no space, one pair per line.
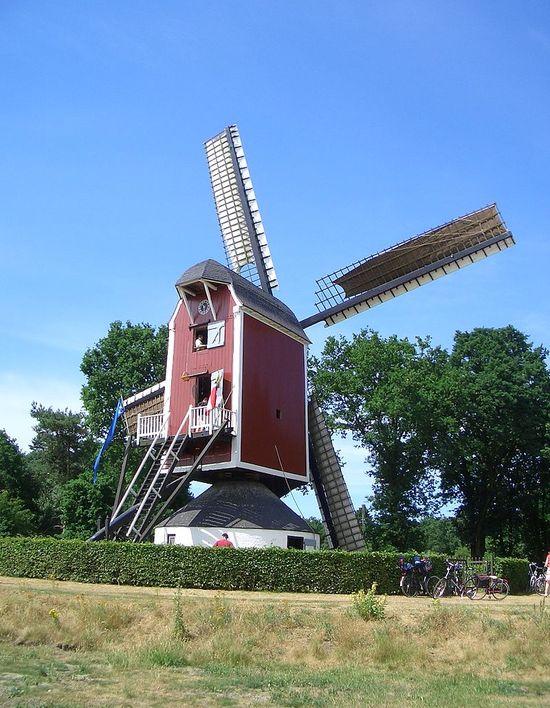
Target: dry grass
227,648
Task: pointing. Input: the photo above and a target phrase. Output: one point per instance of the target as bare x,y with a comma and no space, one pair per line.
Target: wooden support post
122,473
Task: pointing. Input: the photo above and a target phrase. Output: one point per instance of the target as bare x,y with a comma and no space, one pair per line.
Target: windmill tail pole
114,523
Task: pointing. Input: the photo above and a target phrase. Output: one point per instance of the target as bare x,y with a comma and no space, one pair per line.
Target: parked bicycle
536,578
454,582
489,586
415,578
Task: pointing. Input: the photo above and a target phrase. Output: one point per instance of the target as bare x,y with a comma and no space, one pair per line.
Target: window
200,338
209,336
295,542
202,392
171,539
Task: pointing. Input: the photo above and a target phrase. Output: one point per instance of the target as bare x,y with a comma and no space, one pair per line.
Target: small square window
295,542
171,539
209,336
200,338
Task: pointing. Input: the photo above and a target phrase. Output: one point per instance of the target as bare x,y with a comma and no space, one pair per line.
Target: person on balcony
223,542
199,342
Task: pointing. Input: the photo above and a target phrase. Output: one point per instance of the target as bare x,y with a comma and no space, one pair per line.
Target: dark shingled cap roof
249,294
238,504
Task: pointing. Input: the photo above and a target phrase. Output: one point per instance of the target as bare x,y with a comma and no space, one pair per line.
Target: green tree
384,393
440,535
318,526
495,412
82,503
15,476
62,444
15,518
61,450
128,359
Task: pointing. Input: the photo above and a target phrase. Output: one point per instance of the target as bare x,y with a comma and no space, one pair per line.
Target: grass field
68,644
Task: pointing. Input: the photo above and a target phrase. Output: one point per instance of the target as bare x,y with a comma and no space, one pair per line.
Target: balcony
201,422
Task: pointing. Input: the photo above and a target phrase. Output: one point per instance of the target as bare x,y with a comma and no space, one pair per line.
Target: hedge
274,569
516,572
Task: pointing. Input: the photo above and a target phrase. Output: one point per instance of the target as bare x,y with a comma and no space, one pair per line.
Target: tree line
49,490
457,442
464,433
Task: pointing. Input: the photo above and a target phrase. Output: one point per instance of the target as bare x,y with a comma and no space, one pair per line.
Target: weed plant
180,631
368,606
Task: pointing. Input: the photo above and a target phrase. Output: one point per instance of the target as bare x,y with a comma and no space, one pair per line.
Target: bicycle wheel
430,584
540,585
500,589
409,587
440,588
469,589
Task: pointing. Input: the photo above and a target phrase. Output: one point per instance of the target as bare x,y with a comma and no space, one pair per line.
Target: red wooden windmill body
260,349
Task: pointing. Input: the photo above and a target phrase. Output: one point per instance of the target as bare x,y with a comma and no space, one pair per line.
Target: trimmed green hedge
273,569
516,572
193,567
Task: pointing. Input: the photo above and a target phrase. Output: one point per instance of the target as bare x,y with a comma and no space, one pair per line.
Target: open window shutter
216,334
216,390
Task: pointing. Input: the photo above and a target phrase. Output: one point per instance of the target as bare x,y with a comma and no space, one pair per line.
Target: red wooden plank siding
273,379
185,360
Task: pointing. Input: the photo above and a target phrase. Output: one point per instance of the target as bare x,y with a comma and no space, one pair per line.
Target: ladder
161,460
152,489
173,486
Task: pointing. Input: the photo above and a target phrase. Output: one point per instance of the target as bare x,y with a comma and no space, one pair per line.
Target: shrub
368,606
516,572
275,569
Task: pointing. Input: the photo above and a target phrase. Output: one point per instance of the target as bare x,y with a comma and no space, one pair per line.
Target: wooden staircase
156,483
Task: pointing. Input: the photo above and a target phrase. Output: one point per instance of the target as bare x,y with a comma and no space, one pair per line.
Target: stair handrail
164,457
179,431
139,469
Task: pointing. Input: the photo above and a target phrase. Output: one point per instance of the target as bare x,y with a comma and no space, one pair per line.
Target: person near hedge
547,578
223,542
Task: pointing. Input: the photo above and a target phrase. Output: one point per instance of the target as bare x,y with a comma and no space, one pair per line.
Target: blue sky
363,123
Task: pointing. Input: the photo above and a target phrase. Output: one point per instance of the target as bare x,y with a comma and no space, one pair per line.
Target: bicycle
537,578
452,584
491,585
414,578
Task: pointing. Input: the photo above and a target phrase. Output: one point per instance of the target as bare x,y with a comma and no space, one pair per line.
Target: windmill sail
330,486
243,234
410,264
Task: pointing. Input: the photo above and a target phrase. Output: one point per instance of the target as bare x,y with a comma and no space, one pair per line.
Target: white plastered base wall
240,538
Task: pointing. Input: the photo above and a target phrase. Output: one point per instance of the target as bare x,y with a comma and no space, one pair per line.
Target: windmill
234,410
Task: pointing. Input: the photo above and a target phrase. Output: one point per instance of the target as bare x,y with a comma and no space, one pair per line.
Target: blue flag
110,435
